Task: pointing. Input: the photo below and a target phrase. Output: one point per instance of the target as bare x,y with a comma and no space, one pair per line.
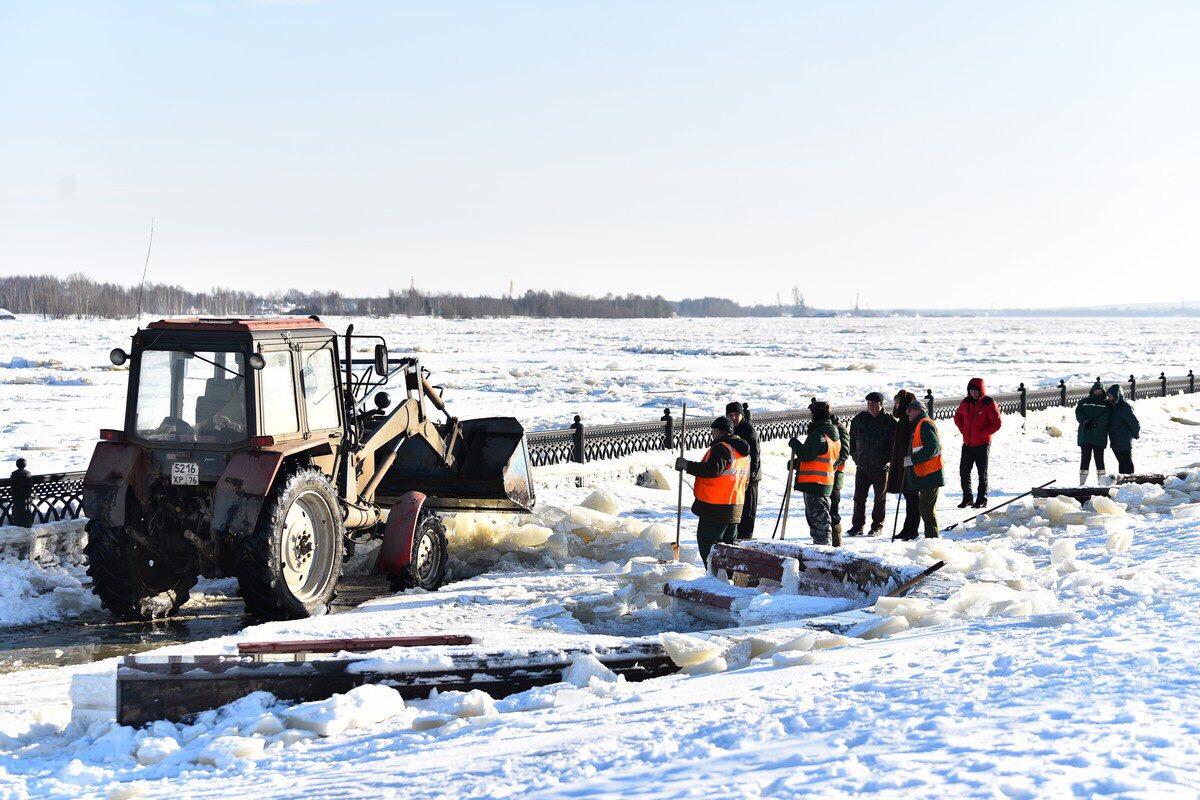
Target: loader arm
380,444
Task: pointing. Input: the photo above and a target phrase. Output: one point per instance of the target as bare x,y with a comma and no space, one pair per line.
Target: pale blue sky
949,154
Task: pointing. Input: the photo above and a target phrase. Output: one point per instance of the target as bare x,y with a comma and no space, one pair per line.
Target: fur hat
723,425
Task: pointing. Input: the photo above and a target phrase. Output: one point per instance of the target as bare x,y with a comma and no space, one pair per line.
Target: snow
1026,674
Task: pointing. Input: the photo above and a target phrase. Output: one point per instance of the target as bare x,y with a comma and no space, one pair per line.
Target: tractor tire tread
260,584
408,578
112,583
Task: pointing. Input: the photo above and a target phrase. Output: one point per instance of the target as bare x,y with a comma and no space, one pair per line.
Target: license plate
185,473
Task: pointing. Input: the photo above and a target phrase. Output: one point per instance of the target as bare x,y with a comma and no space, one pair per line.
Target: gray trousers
816,511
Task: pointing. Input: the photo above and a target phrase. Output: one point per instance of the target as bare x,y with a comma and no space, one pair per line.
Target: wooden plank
1078,493
747,561
1149,477
707,598
350,645
149,690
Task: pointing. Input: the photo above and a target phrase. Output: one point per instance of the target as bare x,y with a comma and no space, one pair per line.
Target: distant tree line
79,296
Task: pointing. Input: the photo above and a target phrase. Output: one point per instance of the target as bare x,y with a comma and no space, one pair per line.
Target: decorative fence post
1024,406
1132,388
669,432
579,456
1162,377
929,402
1062,393
22,493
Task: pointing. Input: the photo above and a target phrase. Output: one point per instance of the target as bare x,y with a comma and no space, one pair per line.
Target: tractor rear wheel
132,582
290,566
430,553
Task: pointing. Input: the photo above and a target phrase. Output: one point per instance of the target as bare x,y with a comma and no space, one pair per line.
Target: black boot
967,500
981,502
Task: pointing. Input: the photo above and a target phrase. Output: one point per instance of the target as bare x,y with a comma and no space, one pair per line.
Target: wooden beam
176,688
350,645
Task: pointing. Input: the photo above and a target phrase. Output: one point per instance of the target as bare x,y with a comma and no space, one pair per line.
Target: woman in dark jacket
1123,428
901,442
1092,414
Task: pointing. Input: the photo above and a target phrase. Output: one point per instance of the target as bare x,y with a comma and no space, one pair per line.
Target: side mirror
256,361
381,359
118,356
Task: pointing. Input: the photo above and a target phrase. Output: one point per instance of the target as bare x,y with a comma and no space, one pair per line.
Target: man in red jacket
977,419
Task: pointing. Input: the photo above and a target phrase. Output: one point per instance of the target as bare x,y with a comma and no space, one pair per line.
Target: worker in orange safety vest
925,472
815,460
721,480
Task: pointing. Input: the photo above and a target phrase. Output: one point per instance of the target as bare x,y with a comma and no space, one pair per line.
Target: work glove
794,443
1089,424
908,461
791,463
681,463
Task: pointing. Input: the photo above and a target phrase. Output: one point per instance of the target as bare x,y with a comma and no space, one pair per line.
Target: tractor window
191,396
277,386
320,389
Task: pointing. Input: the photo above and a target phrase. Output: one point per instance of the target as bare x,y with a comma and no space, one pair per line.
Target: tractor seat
218,394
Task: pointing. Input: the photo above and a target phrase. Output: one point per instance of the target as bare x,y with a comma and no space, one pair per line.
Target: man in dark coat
977,418
739,415
870,446
1123,428
1092,414
721,479
901,443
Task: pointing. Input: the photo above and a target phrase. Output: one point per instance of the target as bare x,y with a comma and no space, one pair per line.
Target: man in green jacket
814,458
1123,428
923,466
1092,414
835,497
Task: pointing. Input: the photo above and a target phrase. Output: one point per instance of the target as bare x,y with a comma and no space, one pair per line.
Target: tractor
260,449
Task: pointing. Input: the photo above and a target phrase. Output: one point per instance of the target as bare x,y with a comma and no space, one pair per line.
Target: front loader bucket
490,470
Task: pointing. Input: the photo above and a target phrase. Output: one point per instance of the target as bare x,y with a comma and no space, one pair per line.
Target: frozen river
57,388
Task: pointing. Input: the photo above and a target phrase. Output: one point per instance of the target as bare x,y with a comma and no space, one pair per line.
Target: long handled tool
787,495
679,501
903,588
993,508
899,497
787,511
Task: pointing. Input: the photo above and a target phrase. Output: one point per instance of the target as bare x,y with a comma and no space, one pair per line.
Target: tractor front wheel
132,582
430,553
290,566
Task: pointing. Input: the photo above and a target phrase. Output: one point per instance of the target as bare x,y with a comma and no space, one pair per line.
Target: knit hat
733,407
916,405
723,425
819,409
874,397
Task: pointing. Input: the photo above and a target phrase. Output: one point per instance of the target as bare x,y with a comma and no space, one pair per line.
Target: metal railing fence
26,498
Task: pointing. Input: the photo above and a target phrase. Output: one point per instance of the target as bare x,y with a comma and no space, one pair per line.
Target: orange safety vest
934,464
728,488
820,470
